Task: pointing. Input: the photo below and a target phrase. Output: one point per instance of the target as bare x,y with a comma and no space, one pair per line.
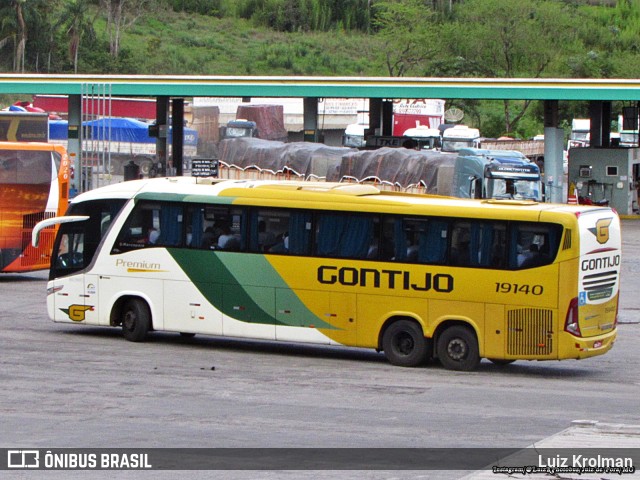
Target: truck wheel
404,344
458,349
146,166
136,320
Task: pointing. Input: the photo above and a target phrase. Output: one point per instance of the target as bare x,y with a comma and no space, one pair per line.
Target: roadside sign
204,167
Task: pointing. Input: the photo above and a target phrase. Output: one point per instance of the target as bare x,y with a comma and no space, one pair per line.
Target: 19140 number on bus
516,288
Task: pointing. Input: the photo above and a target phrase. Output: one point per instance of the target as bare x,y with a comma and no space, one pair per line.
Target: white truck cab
459,136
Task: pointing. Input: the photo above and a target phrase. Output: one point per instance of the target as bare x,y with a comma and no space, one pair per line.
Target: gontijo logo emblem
77,312
601,230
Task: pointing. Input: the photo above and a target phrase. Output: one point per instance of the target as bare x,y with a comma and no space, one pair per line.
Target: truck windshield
578,135
514,189
629,138
356,141
238,132
454,145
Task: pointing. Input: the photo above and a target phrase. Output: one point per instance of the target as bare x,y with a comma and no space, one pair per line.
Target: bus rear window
534,244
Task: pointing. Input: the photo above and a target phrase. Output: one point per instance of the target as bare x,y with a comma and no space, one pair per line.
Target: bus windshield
27,167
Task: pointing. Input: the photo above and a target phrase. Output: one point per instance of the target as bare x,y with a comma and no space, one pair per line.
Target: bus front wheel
404,344
136,320
458,349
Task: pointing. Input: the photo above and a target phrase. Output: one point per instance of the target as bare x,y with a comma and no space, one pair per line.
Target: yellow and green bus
415,276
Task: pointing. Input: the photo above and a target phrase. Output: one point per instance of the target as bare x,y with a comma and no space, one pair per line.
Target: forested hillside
424,38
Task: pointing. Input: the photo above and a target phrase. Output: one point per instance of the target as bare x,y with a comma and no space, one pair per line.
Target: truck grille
529,332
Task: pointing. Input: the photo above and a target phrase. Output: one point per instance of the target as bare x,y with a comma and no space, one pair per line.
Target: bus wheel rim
457,349
129,321
404,343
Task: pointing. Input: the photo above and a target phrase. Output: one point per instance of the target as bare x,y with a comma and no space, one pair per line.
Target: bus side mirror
50,222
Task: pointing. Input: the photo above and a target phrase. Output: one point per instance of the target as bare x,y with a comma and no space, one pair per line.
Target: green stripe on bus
243,286
181,197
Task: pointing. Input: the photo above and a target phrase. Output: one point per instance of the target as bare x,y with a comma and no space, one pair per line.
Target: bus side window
389,245
219,228
498,253
284,232
460,244
267,227
534,244
297,239
70,253
435,242
136,230
426,241
344,236
165,228
489,244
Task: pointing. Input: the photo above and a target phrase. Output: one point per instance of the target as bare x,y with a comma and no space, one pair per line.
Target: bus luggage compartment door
316,317
187,310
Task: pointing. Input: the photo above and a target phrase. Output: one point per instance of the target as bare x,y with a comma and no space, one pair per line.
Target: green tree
407,35
121,14
509,39
27,30
15,31
75,18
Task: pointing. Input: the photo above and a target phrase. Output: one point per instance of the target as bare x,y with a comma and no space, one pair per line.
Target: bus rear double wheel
404,344
457,348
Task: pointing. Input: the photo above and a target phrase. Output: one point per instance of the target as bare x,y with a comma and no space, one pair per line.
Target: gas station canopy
325,87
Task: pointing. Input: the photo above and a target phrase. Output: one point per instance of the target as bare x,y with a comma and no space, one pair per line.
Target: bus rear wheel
458,349
136,320
404,344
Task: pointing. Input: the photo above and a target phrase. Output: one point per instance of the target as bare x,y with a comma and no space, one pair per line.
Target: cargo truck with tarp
248,157
399,169
472,173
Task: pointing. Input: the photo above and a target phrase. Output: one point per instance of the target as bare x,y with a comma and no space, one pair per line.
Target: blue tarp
116,130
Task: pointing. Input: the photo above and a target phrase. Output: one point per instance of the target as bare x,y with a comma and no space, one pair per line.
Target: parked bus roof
341,196
29,146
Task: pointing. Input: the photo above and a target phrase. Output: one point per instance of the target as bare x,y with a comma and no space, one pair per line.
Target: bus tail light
571,323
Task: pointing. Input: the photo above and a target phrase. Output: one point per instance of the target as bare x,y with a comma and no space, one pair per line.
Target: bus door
75,294
75,287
